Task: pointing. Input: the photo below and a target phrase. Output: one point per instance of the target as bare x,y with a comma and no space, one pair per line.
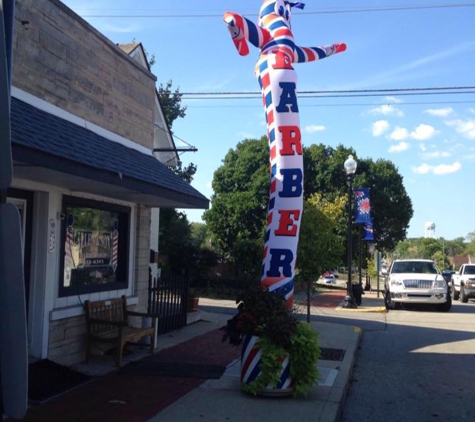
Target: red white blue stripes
250,364
278,81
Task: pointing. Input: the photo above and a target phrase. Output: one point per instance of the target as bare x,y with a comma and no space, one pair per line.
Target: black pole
349,299
360,257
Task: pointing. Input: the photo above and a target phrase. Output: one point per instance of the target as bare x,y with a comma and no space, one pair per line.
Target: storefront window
95,246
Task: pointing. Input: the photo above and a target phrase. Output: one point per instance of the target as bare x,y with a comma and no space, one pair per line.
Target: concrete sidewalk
221,400
113,397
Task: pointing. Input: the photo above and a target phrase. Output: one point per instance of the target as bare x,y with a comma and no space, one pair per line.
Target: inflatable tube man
278,81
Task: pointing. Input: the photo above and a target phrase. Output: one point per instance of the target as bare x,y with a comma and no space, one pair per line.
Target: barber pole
250,364
278,81
115,249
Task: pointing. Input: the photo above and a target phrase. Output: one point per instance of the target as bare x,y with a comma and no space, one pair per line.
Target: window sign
95,247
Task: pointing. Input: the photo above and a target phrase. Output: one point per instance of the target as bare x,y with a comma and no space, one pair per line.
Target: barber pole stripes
68,259
250,366
115,249
286,180
278,81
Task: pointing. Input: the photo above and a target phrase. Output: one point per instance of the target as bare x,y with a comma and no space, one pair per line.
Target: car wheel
454,293
463,296
390,304
445,307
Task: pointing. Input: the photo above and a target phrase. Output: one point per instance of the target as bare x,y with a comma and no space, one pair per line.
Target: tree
171,103
241,185
390,205
320,248
239,202
470,247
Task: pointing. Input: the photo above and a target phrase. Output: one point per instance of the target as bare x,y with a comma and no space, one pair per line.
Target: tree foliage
171,103
438,249
391,207
239,202
241,184
319,248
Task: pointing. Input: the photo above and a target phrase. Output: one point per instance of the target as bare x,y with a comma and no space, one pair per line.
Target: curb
378,309
347,368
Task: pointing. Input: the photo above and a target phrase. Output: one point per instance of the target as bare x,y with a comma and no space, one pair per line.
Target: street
413,365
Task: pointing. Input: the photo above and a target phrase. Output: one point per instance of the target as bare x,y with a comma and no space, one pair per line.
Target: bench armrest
140,314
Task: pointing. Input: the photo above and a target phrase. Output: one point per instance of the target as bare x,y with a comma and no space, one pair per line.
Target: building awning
49,149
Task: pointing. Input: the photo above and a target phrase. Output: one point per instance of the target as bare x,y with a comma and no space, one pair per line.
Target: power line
342,104
346,91
317,12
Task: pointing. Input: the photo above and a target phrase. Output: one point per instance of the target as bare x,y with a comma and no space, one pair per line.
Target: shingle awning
52,150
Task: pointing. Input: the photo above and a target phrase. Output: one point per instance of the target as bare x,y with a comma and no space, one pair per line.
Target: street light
350,169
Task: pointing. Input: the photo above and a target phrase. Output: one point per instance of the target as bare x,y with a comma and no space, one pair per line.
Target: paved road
413,366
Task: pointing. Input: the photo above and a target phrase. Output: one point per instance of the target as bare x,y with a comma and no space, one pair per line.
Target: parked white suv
411,281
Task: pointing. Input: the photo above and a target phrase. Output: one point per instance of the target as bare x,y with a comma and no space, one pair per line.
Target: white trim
76,300
65,115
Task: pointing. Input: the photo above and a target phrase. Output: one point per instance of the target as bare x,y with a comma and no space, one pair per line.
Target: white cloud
422,169
422,147
440,112
436,154
399,134
380,127
464,127
438,170
402,146
387,110
447,168
423,132
393,99
314,128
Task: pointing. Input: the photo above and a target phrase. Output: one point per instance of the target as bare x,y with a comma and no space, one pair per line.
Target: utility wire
347,91
342,104
318,12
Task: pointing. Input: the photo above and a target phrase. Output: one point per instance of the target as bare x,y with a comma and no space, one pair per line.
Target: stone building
84,120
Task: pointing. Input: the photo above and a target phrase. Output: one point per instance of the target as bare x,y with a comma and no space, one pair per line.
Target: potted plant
192,300
280,353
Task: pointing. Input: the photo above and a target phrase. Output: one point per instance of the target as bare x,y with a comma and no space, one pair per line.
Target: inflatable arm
243,30
310,54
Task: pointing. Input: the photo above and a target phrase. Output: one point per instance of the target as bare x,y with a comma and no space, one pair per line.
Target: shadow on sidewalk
137,398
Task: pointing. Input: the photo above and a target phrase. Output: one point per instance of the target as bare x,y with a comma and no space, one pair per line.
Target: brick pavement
135,398
325,299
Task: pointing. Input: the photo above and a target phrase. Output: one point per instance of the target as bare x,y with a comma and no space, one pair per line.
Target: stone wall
60,58
67,340
63,60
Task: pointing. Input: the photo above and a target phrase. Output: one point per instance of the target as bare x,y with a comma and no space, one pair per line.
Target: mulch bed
136,398
326,299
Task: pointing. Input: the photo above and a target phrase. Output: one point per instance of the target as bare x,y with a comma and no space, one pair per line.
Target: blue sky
391,45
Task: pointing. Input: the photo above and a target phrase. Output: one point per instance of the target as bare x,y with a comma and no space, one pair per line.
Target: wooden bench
107,321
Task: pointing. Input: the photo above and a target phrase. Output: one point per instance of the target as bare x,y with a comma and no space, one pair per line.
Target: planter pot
192,304
250,369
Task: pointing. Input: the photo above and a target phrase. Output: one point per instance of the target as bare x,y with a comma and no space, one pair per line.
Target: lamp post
350,169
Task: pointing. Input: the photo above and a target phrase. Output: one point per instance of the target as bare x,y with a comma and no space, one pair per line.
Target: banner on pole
368,231
362,205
